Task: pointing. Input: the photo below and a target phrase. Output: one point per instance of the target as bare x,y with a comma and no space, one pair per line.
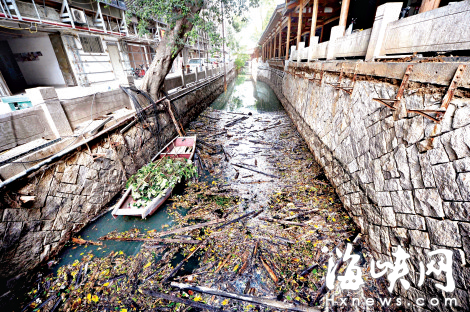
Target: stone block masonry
397,192
71,192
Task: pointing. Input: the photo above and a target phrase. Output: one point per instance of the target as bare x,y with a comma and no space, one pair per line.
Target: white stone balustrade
355,44
443,29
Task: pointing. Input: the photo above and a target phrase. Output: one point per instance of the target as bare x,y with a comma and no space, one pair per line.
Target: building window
91,44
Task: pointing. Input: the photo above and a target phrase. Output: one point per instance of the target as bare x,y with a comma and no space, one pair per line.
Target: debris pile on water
262,223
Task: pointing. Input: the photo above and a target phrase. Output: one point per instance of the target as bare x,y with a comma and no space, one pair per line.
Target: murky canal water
243,96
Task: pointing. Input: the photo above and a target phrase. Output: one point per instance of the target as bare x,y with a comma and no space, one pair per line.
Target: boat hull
180,147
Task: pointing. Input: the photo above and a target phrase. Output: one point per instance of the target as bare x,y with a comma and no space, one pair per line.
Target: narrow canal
258,217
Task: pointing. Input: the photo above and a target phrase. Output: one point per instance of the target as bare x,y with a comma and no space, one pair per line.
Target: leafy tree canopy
185,18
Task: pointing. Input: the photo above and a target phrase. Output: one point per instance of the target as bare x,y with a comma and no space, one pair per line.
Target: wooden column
269,49
314,18
280,44
275,46
299,27
273,41
288,36
344,13
428,5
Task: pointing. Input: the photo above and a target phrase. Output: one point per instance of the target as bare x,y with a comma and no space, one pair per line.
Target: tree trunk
170,46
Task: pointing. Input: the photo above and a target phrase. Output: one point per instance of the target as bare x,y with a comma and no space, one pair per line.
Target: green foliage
153,179
241,60
198,15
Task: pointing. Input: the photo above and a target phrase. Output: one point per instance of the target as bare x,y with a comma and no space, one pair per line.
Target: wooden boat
179,147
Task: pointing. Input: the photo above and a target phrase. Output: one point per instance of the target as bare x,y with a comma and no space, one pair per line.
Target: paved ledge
431,72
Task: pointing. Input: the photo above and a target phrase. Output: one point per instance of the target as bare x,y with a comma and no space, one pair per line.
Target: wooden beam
291,6
288,36
428,5
343,17
280,44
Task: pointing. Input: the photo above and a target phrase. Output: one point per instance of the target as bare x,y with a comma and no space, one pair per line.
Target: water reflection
245,95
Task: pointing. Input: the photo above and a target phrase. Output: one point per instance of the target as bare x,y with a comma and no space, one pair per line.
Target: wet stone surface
260,222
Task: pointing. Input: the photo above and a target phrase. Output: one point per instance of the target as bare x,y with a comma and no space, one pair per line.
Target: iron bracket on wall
350,89
392,103
337,85
446,100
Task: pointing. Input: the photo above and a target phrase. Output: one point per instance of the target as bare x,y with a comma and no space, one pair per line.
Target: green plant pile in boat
153,179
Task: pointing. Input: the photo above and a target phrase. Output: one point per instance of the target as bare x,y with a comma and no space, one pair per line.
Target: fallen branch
244,262
81,241
267,128
214,118
187,302
254,213
282,222
152,240
225,154
216,134
301,214
221,265
258,300
178,127
268,269
188,228
235,121
308,270
256,182
266,174
178,267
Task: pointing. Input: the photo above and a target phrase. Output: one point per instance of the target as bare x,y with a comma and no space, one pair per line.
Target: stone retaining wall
71,192
396,191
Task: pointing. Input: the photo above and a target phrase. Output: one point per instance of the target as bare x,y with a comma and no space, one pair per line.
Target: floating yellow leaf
197,298
123,310
106,284
95,298
235,268
147,265
88,297
225,302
